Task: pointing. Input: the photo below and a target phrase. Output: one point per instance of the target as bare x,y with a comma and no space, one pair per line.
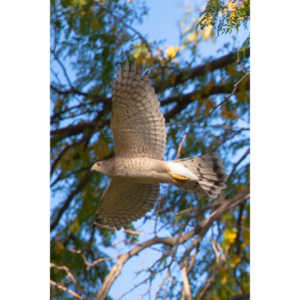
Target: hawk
139,167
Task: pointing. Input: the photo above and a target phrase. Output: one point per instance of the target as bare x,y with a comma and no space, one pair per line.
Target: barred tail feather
209,171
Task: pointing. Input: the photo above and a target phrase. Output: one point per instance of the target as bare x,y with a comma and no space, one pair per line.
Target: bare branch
66,269
220,258
92,264
116,229
241,297
63,288
165,279
235,87
188,74
237,164
63,68
69,199
180,146
200,230
186,292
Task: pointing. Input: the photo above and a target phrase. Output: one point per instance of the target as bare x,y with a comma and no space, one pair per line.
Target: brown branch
220,258
180,146
85,260
198,94
165,279
80,127
117,268
62,67
201,70
69,199
186,292
72,91
116,229
66,269
61,154
235,87
200,230
238,163
241,297
63,288
181,101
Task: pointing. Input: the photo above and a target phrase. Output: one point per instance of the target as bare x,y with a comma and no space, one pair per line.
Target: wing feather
138,125
125,201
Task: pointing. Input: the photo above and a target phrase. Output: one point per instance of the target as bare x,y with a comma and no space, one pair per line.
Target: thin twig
116,229
221,258
180,146
237,164
235,86
66,269
63,288
92,264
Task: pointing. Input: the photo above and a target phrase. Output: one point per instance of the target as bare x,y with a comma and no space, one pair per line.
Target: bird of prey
138,166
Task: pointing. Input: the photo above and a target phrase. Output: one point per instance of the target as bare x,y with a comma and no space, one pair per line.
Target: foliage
224,15
203,244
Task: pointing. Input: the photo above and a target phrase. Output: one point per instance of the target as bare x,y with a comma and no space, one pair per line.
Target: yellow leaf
229,236
236,260
192,37
59,246
224,279
231,6
172,51
208,32
140,51
246,237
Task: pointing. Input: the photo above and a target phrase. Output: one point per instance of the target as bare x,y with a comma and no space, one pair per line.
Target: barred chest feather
142,169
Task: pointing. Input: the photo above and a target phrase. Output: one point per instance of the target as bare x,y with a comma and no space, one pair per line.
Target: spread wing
138,125
125,201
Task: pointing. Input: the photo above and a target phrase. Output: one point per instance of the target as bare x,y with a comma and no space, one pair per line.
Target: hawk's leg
177,177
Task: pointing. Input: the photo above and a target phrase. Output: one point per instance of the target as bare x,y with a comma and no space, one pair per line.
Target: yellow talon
177,177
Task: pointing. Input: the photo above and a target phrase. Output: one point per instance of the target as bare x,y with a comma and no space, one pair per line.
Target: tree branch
200,229
69,199
186,293
201,70
182,101
63,288
237,164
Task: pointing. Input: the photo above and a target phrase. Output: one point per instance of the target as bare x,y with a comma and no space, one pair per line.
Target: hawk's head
103,166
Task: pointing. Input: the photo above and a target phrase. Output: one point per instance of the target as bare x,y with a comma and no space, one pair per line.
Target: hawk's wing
125,201
137,123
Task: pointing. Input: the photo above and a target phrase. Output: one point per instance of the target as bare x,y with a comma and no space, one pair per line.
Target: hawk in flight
139,167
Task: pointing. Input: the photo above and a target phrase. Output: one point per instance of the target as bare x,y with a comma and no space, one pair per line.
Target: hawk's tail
209,174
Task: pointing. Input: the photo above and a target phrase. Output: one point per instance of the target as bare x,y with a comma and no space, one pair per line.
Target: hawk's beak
93,167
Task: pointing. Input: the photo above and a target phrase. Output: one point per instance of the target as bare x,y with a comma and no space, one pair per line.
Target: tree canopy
202,244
